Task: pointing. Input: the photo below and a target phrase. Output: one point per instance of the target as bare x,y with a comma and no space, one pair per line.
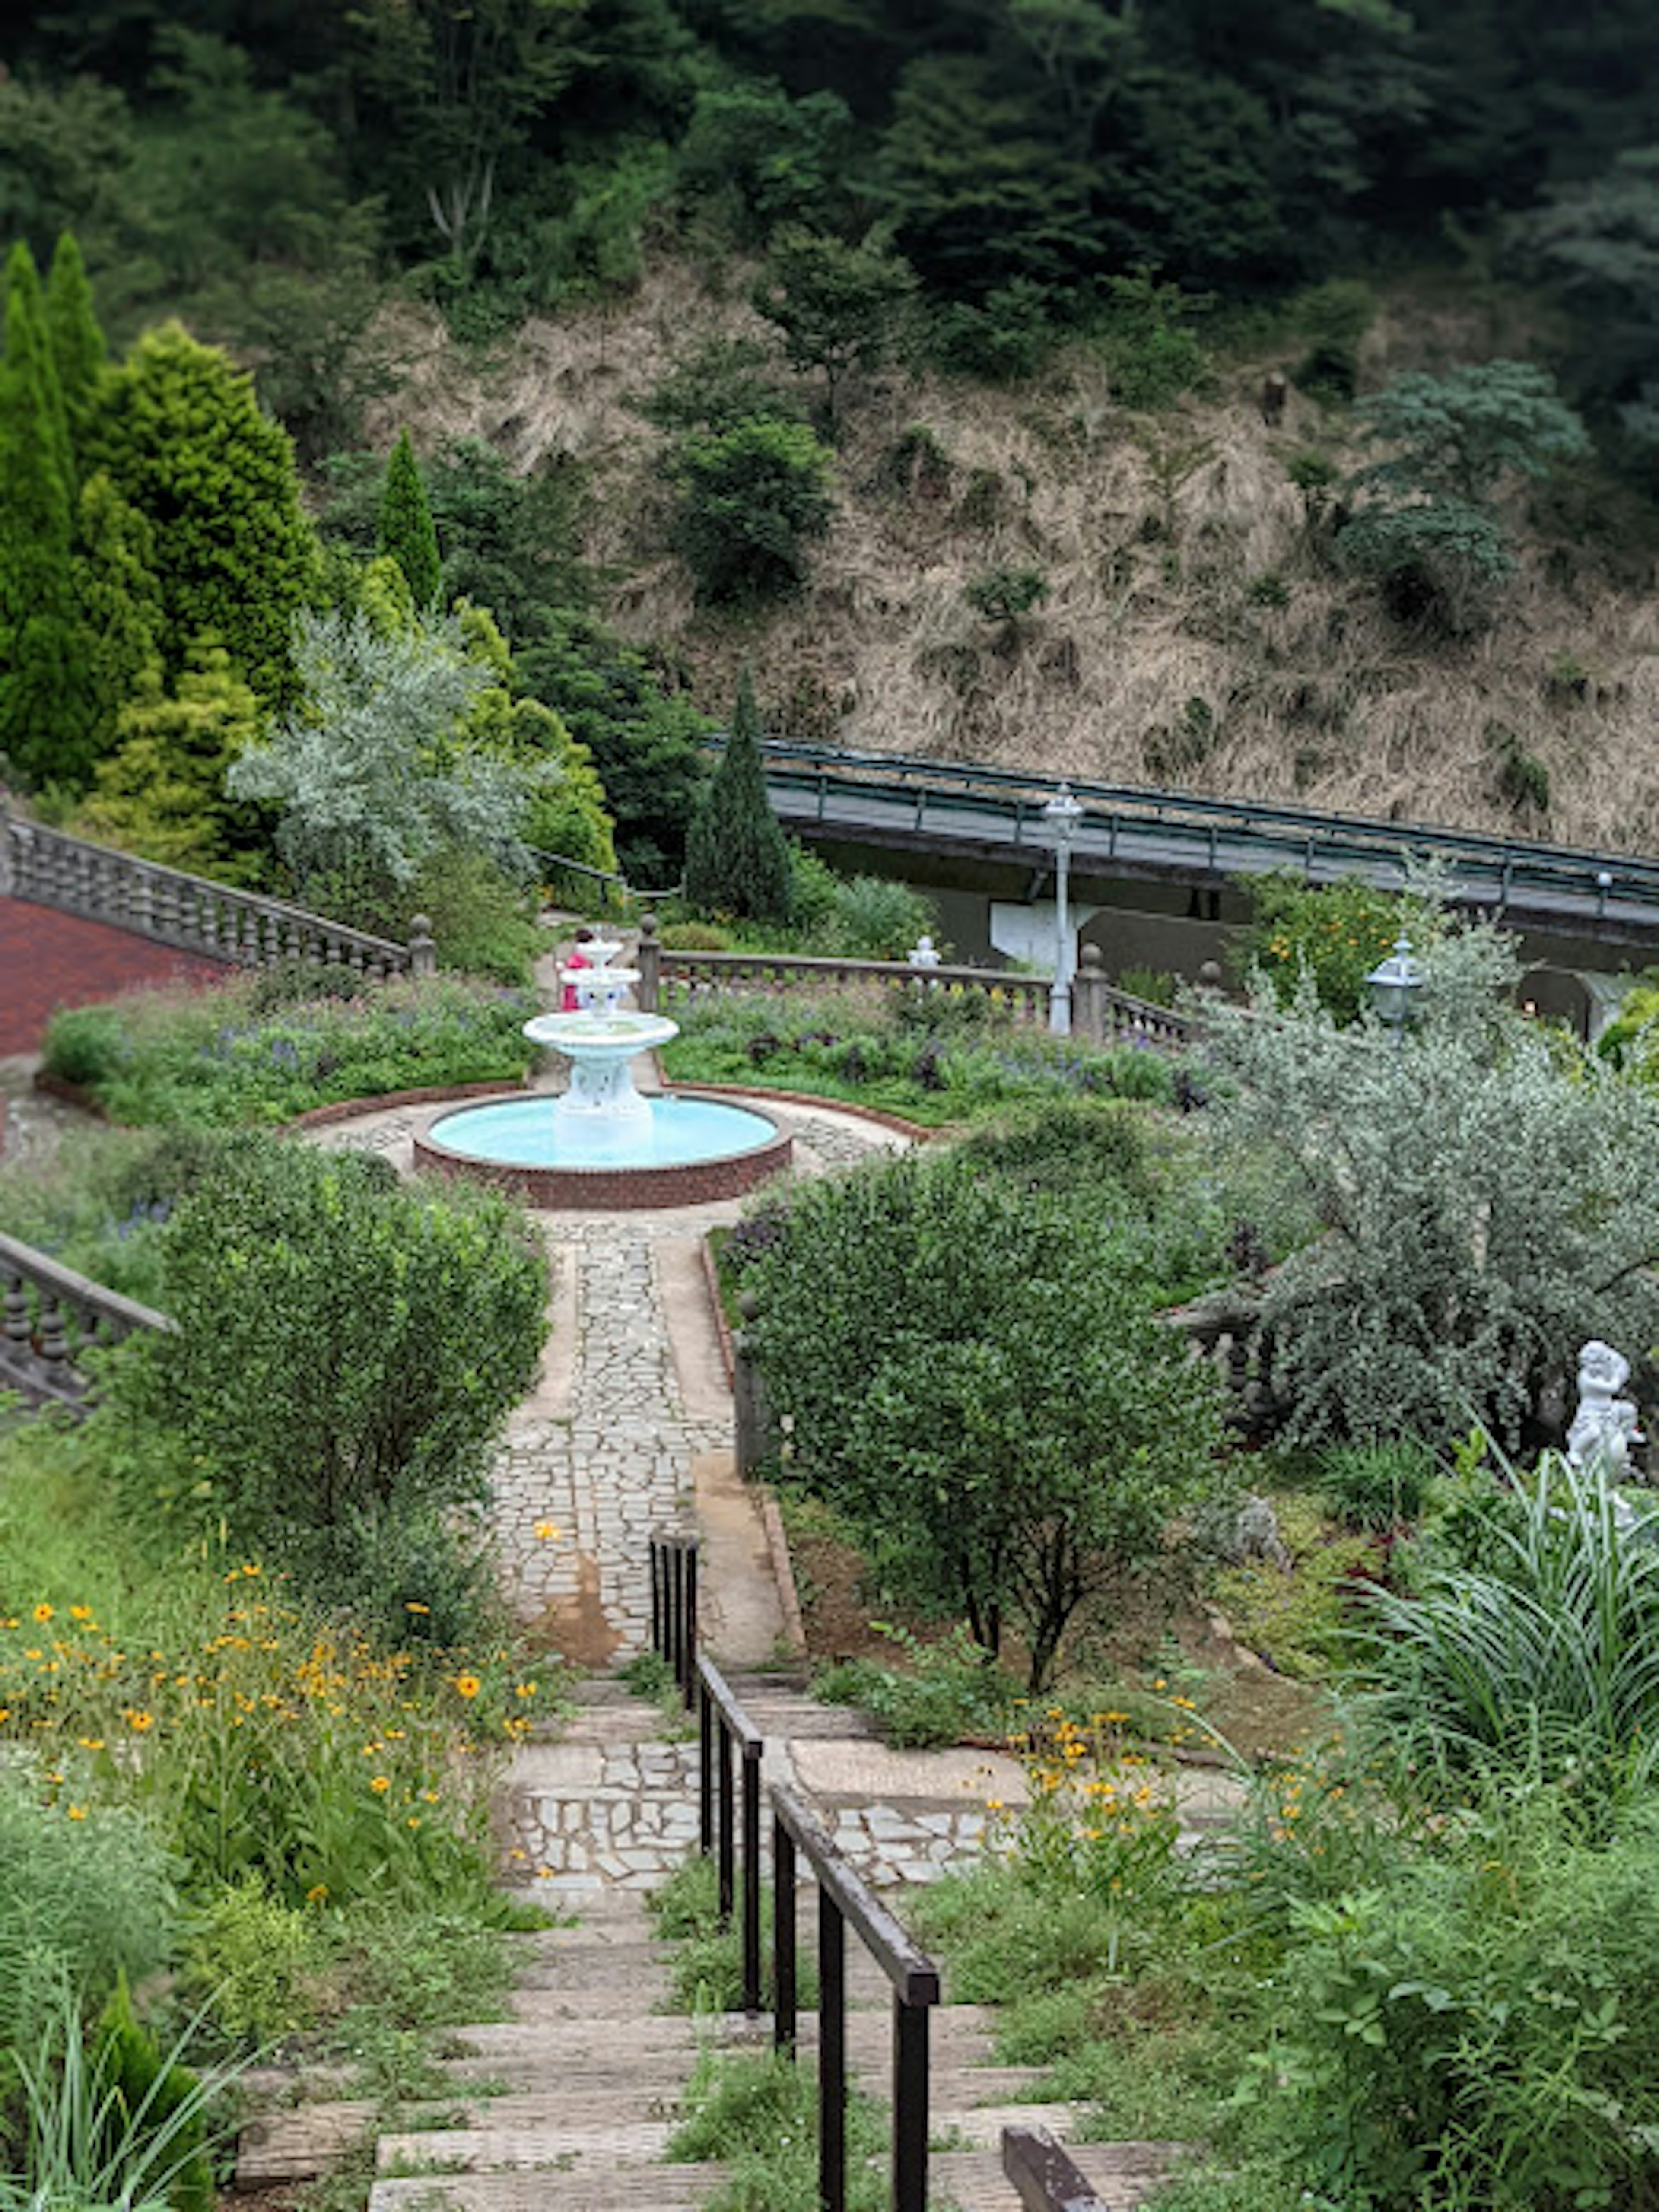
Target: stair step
1122,2174
300,2141
512,2049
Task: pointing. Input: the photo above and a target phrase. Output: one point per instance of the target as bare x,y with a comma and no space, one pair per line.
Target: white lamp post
1394,984
1062,814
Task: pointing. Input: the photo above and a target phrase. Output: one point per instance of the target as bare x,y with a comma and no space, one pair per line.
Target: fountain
601,1144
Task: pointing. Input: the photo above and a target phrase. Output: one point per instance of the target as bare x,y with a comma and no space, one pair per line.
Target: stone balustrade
1224,1327
191,913
49,1316
1100,1013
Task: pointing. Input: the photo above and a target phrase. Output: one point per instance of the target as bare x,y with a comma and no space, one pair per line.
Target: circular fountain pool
679,1150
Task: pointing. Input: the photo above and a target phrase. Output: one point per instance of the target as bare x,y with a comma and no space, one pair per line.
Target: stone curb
431,1094
896,1122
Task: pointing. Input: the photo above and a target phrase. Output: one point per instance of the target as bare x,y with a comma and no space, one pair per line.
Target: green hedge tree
737,858
406,530
43,713
118,609
185,443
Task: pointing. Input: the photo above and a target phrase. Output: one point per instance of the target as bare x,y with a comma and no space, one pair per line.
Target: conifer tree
118,611
41,710
736,861
406,529
185,443
161,792
78,349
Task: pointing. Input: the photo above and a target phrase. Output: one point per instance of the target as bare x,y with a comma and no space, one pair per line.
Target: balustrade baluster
17,1327
54,1338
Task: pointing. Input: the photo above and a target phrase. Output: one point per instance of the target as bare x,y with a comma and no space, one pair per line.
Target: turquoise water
522,1133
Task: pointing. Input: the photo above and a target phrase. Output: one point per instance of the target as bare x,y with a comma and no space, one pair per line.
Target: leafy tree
161,792
185,443
1017,1429
718,384
78,349
42,712
1457,436
1438,562
65,152
406,529
1599,241
737,858
836,306
118,613
1486,1207
370,772
767,159
749,498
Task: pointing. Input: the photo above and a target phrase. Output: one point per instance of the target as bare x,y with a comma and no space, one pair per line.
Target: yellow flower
525,1689
414,1605
413,1821
43,1613
380,1785
77,1812
317,1892
546,1533
80,1613
468,1686
139,1722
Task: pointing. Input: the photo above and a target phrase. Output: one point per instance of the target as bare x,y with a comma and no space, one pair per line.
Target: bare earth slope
1196,632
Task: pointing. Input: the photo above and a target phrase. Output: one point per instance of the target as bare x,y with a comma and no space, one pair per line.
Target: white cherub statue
1604,1425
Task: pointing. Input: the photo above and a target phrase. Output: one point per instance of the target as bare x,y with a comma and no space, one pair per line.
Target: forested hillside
1255,399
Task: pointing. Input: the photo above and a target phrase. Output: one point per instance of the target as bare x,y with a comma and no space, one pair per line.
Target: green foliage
186,444
483,923
1302,1619
252,1959
1480,2029
1324,937
1020,1431
43,718
1457,437
1522,780
82,1901
717,384
1146,338
1004,594
152,2108
750,499
1099,1150
1005,339
406,529
1333,318
78,349
835,305
1539,1662
1439,562
944,1691
344,1349
249,1051
1486,1205
869,918
736,861
764,159
161,791
1378,1486
370,772
119,616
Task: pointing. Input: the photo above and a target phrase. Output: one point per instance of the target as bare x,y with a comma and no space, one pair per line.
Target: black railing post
783,1938
727,1825
705,1770
751,1884
658,1641
689,1657
909,2107
832,2055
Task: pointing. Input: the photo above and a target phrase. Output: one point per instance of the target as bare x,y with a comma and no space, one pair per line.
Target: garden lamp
1394,984
1061,815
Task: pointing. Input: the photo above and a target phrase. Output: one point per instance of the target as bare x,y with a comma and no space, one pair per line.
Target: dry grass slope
1195,632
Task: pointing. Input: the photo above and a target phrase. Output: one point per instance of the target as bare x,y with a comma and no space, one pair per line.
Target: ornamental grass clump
1541,1663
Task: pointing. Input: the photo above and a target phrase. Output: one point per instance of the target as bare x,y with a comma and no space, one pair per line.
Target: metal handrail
845,1898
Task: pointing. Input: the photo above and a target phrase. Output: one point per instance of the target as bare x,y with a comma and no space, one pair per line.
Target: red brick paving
49,960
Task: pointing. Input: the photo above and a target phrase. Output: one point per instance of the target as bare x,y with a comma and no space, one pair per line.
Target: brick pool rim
618,1189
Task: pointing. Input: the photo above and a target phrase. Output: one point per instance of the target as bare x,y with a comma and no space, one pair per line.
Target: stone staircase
568,2104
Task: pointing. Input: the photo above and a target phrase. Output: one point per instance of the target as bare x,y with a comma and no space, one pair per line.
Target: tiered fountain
601,1144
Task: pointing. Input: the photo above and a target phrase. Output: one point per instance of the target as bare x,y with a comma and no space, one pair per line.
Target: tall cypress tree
184,441
736,860
77,344
118,612
406,530
41,712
